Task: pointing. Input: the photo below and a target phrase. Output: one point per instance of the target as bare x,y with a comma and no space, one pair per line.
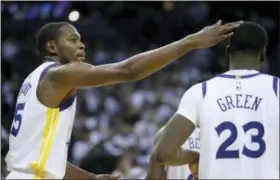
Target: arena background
115,125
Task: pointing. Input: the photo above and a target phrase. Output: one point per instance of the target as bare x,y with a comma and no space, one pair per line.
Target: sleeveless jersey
40,135
238,116
183,172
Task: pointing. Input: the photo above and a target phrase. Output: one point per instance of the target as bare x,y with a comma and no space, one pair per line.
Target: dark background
120,121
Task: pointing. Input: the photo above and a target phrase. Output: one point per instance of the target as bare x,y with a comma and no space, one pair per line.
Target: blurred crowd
115,125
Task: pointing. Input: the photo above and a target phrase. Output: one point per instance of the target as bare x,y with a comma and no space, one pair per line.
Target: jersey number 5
17,119
223,153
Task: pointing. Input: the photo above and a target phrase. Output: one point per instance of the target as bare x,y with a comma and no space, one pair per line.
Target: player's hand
214,34
107,176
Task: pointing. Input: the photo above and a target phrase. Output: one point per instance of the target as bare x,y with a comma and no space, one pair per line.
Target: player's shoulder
196,91
43,66
205,85
39,71
270,82
269,76
200,87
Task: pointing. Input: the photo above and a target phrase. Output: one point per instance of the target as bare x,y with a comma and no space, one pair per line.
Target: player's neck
242,67
52,58
244,62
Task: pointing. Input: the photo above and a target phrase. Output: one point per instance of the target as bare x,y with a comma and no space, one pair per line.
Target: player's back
39,135
239,126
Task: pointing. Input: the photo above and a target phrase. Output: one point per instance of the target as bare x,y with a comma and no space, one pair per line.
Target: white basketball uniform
40,135
183,172
238,116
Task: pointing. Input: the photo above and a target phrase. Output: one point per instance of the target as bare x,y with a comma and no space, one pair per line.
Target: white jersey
183,172
40,135
238,116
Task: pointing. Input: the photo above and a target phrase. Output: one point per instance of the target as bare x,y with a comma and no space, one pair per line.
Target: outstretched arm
79,74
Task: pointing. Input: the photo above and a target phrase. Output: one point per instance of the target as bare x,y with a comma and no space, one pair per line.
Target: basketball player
237,113
46,103
192,143
183,171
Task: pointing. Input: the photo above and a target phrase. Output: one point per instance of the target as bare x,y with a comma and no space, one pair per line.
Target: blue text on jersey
194,143
245,101
24,89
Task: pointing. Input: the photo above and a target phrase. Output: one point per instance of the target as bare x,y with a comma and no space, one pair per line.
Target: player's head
250,39
62,40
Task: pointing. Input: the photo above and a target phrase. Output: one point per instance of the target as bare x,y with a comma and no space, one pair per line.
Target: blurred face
69,45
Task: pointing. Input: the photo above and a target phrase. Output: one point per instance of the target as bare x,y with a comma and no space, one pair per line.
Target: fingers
230,27
219,23
225,36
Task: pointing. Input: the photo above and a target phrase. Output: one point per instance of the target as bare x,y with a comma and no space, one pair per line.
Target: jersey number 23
223,153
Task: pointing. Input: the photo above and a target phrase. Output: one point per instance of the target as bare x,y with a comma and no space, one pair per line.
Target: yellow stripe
48,138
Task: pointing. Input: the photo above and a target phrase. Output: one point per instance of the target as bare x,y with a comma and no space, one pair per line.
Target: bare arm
155,169
163,154
173,135
78,74
179,128
173,154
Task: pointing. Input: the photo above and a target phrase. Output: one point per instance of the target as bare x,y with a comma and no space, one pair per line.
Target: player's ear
263,55
51,47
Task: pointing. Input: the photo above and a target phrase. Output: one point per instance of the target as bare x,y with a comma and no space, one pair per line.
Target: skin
72,72
240,60
173,154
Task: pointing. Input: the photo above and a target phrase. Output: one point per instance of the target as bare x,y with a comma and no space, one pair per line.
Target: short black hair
47,32
250,37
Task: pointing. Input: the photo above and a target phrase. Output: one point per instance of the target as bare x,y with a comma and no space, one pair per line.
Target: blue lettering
196,143
256,103
248,96
191,143
245,101
222,105
25,88
238,99
229,102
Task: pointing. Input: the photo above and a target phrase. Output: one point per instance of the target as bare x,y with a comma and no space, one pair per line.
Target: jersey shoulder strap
275,85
